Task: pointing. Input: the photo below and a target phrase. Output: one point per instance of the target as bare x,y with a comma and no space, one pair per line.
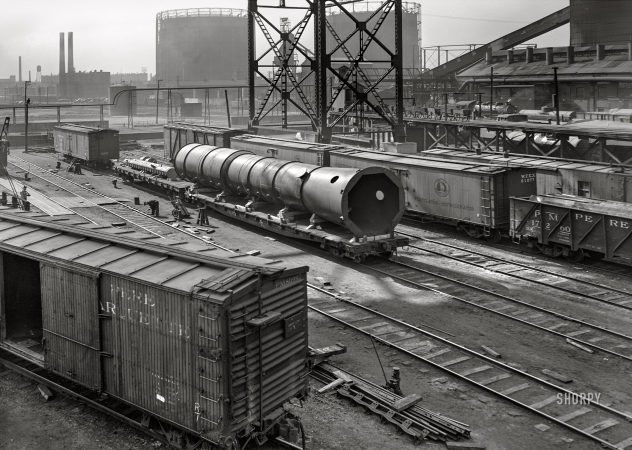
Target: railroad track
576,332
149,224
528,391
586,289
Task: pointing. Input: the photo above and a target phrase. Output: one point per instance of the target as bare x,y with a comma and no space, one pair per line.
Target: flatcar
588,179
90,145
204,347
474,197
569,226
497,108
547,114
153,168
350,212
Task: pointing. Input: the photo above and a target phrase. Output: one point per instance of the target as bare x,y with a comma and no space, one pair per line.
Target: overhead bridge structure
443,76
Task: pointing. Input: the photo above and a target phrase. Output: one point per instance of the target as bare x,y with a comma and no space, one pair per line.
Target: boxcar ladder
486,206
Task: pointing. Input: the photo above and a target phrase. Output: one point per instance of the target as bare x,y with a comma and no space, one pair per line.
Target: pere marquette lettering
554,217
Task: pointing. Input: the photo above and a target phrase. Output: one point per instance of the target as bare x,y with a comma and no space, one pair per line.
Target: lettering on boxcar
139,307
527,178
552,216
286,281
197,412
167,388
619,223
583,217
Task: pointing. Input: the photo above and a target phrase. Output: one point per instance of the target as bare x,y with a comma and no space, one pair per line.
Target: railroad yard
447,291
307,231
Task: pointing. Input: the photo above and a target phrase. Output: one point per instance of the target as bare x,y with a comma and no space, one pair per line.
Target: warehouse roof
615,62
167,263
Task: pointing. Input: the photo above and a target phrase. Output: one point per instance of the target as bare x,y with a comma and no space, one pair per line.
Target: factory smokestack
70,79
20,70
38,76
61,90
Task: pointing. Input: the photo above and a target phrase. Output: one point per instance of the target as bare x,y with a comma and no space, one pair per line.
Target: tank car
497,108
152,167
547,114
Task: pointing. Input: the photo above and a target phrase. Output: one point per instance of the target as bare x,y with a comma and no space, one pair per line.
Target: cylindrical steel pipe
369,201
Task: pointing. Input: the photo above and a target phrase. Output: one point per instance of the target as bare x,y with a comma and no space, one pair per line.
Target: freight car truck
563,225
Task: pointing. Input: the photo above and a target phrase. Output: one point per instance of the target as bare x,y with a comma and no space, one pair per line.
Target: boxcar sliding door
70,308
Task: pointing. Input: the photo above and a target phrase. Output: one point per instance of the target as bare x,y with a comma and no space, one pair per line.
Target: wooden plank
557,376
572,415
490,351
406,402
578,345
601,426
543,403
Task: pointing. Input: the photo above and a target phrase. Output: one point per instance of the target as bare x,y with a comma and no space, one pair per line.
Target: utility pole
491,94
556,101
26,118
157,97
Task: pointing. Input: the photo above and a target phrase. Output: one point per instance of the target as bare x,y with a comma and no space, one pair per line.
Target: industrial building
594,71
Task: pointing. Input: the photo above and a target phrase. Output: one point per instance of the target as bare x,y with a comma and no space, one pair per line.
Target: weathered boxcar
91,145
206,341
286,149
474,196
588,179
179,134
560,225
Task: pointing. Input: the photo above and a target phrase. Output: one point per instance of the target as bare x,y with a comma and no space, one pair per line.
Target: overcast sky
120,35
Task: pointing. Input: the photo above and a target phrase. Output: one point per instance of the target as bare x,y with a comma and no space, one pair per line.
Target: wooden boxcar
474,196
179,134
561,225
206,341
286,149
588,179
91,145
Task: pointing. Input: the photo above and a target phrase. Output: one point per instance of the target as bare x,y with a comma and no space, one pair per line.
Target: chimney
70,79
20,70
600,51
529,54
570,54
488,57
38,75
549,56
29,76
510,56
62,67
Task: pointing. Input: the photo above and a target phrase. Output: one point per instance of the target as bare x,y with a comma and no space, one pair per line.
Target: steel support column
252,64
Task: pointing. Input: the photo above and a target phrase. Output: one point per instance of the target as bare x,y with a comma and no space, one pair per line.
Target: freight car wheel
494,237
358,259
575,257
386,255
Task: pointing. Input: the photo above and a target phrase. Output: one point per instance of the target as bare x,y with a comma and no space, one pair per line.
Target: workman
77,170
114,182
155,207
24,195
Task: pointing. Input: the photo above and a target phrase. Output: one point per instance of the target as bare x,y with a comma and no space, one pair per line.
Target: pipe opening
379,195
334,179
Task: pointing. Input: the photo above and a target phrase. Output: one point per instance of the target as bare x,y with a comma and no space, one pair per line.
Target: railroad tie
437,353
543,403
558,325
572,415
454,361
624,444
578,332
502,308
601,426
598,338
491,380
475,370
515,389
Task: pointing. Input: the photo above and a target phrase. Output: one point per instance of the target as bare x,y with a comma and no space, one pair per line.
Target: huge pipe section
367,202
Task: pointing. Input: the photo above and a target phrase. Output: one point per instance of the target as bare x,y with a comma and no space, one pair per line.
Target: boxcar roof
414,160
533,161
292,144
82,128
182,266
607,207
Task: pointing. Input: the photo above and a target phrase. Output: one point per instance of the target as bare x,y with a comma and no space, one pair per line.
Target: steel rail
504,297
113,201
464,377
525,267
